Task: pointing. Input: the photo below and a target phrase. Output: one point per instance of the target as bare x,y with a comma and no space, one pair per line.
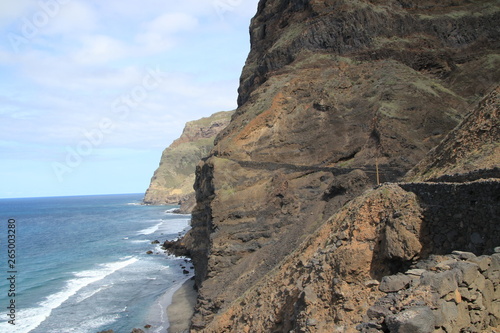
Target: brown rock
393,283
471,150
470,271
413,320
335,97
457,297
442,283
172,182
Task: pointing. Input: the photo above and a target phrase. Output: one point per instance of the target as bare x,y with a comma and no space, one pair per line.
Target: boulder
413,320
464,255
393,283
470,271
377,311
442,283
483,262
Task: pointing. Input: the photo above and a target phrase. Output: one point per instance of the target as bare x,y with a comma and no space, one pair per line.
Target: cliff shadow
453,216
458,216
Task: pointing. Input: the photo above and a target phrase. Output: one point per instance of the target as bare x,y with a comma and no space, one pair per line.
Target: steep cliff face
436,38
335,96
349,270
363,270
471,151
173,181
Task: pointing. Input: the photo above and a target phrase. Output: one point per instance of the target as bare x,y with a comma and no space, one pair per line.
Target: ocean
80,264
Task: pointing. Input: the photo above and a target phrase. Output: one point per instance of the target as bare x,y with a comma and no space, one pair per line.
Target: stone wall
453,293
458,216
458,292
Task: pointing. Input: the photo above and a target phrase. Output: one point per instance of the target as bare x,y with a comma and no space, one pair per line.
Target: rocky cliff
471,151
173,181
388,260
336,96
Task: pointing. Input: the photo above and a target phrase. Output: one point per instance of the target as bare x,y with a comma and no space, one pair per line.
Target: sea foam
33,317
150,230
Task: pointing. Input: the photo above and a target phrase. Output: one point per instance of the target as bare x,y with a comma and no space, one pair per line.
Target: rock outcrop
362,269
471,151
172,182
337,96
403,257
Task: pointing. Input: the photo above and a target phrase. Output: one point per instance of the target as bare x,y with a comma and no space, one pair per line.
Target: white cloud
139,10
13,9
169,23
83,70
160,33
64,78
100,49
72,18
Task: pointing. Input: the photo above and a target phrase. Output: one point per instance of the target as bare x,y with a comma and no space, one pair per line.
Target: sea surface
81,264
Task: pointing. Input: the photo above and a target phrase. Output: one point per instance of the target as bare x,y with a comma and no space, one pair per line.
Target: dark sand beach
181,308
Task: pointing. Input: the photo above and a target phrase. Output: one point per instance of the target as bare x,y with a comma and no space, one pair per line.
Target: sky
92,91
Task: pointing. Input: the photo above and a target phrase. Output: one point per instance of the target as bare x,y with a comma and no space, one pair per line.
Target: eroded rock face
326,283
471,151
423,35
172,182
331,92
344,278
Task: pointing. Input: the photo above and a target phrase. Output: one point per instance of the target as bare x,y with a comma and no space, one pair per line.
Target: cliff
471,151
335,97
173,181
388,262
363,264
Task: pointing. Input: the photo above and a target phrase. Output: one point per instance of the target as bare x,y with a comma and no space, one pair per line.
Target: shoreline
180,309
158,315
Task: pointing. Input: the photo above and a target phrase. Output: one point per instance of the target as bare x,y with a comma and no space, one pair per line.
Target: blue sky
92,91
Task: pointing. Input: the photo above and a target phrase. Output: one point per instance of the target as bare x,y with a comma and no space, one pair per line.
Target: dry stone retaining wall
455,293
459,216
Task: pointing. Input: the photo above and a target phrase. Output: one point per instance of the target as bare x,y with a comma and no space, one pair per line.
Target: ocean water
81,264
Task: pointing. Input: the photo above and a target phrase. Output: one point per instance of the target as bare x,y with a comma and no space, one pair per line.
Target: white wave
137,241
91,293
91,324
150,230
33,317
159,248
179,220
134,204
157,314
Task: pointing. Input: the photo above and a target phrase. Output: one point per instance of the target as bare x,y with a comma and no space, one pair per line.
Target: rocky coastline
356,186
